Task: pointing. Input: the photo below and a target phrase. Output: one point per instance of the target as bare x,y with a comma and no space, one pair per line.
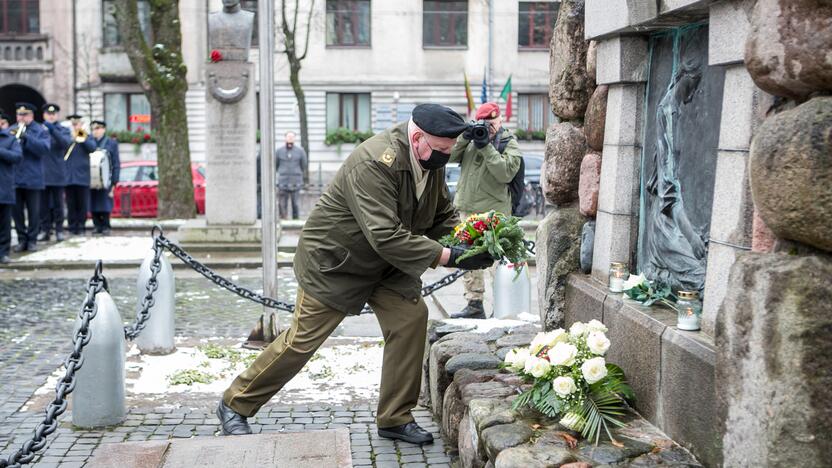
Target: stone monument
231,126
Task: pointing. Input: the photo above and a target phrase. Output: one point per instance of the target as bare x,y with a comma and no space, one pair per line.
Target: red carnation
146,137
480,226
216,56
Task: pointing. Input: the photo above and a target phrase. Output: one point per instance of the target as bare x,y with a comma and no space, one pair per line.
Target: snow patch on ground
486,325
110,249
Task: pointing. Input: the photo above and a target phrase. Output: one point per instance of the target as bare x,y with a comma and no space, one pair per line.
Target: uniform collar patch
388,157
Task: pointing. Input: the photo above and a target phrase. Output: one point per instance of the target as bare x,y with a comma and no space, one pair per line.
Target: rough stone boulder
565,149
569,85
787,50
774,361
762,239
558,254
589,184
440,353
591,63
791,173
453,408
596,118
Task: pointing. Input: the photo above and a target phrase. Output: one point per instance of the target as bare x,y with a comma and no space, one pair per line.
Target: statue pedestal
231,157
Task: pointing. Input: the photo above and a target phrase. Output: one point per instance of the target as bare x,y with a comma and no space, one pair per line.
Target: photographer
489,157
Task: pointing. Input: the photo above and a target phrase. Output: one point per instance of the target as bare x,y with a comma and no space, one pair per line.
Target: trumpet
80,134
20,131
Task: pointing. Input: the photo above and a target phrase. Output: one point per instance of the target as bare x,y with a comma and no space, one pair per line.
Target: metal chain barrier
132,331
66,384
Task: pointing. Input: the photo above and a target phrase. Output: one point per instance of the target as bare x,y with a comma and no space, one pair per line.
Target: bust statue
229,31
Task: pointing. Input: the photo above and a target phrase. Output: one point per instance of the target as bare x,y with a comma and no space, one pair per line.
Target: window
19,17
111,36
533,112
348,110
127,112
128,173
251,5
148,174
445,23
348,23
536,24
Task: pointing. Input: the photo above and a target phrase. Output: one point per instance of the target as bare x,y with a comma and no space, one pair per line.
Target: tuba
21,129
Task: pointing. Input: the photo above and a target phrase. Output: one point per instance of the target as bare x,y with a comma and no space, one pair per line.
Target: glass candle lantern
618,274
690,310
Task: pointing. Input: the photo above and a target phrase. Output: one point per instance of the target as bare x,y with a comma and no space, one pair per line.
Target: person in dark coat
5,120
77,162
101,200
10,155
291,161
28,175
54,176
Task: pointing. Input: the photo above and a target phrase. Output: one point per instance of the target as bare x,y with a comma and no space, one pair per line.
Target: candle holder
690,310
618,274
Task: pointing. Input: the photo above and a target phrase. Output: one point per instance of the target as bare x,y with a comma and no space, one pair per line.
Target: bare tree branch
308,30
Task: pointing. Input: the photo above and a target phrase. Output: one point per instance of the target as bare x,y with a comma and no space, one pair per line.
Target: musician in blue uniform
5,120
10,155
77,163
28,176
101,200
54,176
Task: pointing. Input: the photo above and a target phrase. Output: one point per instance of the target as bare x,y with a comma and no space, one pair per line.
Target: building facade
369,62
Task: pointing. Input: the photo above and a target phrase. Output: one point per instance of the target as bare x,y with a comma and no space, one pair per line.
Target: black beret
74,116
50,107
24,107
98,122
438,120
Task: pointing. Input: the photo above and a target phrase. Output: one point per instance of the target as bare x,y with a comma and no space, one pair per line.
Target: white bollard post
512,293
98,398
157,335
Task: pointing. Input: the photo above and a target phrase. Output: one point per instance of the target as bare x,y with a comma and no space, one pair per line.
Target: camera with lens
479,130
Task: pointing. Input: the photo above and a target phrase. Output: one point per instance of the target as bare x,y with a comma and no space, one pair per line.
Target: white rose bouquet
571,379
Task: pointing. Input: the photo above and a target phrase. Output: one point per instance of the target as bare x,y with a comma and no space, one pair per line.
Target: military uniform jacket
100,200
485,174
10,155
36,144
54,169
78,163
368,229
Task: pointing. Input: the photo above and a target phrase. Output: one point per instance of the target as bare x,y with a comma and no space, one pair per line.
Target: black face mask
289,145
437,159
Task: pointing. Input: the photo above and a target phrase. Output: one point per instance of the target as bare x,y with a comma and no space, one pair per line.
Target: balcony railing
25,51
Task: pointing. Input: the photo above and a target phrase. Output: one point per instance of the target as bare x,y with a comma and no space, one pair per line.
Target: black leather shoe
19,248
5,259
410,432
231,422
473,310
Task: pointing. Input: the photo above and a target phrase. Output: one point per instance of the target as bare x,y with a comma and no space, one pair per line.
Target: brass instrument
21,129
80,134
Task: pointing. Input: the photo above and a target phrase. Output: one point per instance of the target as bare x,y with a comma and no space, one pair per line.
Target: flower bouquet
571,380
491,232
639,288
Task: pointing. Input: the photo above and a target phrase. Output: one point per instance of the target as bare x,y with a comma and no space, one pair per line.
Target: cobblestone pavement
36,319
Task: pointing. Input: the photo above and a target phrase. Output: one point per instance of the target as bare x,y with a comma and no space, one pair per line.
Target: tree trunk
294,78
162,74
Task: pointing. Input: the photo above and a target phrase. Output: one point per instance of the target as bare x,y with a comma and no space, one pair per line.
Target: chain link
66,384
132,331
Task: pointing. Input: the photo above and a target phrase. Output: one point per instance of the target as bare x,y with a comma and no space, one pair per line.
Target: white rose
597,342
537,367
548,339
577,329
516,358
538,342
635,280
563,354
594,369
595,325
564,386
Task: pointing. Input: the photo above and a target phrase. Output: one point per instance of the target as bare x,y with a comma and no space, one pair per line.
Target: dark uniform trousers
52,209
27,215
101,220
5,228
77,203
403,323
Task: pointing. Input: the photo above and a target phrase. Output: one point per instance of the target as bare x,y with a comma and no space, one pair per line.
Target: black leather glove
477,262
482,142
468,133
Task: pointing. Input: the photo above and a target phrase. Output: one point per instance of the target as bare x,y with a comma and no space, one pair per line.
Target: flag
469,98
505,95
484,95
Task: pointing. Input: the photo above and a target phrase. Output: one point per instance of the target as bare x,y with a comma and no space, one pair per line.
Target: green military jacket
485,174
368,229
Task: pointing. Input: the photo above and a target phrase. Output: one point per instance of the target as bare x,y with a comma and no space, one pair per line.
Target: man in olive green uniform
369,239
487,166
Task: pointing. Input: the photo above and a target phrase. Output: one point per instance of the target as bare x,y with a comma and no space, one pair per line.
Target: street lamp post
265,10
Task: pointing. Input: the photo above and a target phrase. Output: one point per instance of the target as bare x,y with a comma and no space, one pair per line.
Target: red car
135,195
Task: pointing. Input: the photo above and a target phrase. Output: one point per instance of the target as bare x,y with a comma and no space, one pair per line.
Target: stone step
313,449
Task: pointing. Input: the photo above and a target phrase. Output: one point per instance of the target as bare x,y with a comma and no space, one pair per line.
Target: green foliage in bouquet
639,288
492,232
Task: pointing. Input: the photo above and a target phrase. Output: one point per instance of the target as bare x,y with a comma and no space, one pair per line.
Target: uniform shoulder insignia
388,157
